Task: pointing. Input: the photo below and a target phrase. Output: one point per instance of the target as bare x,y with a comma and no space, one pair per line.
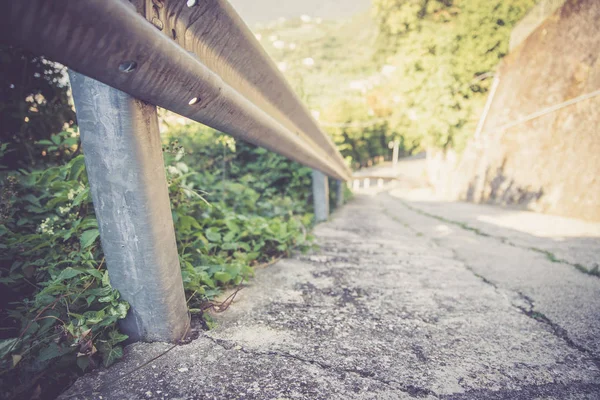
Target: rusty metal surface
227,83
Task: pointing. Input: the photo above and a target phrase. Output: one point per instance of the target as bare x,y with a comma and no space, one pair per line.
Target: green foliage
418,73
359,142
444,51
234,206
256,209
35,105
397,17
341,51
58,306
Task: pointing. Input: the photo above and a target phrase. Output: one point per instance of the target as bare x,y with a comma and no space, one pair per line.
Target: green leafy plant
234,206
257,208
58,306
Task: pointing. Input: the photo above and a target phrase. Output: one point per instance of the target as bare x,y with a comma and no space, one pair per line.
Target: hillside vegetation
413,70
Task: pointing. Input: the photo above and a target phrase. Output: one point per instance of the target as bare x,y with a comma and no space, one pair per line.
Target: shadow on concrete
502,190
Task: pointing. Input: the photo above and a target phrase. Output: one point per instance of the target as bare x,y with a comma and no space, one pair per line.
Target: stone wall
536,16
552,163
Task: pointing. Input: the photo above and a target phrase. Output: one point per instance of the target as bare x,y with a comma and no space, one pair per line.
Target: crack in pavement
527,392
555,328
409,389
529,311
504,240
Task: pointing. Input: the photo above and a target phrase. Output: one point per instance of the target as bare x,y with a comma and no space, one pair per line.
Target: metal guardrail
195,58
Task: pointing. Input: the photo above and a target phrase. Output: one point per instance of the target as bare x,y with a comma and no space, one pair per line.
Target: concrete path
405,298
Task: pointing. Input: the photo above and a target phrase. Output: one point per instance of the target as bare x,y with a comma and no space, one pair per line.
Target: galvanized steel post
123,156
320,187
339,193
395,147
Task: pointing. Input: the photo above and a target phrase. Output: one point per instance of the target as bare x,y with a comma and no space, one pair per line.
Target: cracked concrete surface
395,304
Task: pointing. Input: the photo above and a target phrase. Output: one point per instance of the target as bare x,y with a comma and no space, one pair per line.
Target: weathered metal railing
201,62
194,57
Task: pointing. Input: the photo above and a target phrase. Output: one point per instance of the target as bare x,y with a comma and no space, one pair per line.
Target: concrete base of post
320,187
125,167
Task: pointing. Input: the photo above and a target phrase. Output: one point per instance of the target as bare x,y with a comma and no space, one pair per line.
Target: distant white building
388,70
282,66
305,18
279,44
412,114
308,61
361,85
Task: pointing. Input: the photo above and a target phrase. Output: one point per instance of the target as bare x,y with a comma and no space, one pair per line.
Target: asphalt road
406,297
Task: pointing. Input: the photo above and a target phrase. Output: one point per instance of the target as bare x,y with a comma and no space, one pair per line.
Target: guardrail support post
396,148
125,167
339,193
320,186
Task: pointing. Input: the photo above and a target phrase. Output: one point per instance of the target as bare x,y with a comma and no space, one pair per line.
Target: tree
34,104
443,51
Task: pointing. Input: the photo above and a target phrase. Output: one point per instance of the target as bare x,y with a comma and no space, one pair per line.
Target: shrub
234,206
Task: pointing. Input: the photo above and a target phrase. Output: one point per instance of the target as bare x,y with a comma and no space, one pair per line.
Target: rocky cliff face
550,163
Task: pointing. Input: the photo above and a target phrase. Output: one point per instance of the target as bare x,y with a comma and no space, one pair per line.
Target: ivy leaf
110,354
80,197
94,317
122,309
229,246
95,273
105,279
88,238
88,222
55,139
244,246
222,277
229,236
6,345
67,273
213,235
117,337
32,199
49,352
83,362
